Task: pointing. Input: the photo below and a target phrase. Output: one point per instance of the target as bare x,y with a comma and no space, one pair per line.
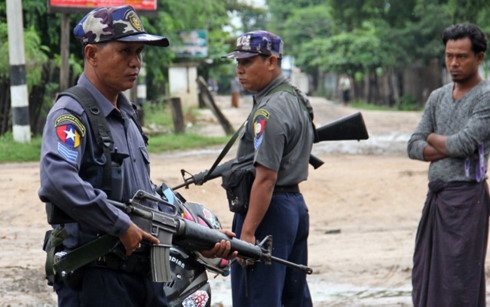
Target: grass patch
163,143
406,103
11,151
361,104
158,113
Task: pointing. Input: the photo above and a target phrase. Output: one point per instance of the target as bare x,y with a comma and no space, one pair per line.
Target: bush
408,103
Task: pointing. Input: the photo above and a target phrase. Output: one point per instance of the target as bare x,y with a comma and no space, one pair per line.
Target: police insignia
68,135
134,20
68,154
259,126
70,119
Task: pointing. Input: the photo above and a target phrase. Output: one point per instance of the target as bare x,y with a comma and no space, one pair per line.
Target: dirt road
364,206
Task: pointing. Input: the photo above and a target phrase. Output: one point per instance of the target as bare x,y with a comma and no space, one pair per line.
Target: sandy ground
364,206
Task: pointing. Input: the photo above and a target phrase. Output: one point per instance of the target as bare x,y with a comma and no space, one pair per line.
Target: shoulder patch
68,135
70,119
69,130
260,120
68,154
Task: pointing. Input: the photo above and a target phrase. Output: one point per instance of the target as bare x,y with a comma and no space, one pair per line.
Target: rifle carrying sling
98,123
53,242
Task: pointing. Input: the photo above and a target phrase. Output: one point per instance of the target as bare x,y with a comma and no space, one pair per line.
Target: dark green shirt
280,134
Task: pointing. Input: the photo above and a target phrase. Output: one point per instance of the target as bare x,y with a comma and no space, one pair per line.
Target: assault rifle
170,229
350,127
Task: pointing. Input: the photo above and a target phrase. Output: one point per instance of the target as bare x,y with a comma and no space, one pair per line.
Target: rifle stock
349,127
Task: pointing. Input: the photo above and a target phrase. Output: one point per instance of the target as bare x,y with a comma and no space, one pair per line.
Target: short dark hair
279,60
471,31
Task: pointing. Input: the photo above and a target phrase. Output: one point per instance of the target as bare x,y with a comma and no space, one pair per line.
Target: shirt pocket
145,154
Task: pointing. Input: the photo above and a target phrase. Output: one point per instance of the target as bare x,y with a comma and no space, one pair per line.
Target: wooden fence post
177,115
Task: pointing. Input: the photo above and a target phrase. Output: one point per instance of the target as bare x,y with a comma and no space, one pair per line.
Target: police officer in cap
279,133
72,166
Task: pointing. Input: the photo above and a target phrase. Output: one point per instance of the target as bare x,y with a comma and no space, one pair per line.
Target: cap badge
134,20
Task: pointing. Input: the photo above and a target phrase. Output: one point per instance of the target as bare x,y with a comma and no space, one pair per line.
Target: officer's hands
132,238
250,238
221,249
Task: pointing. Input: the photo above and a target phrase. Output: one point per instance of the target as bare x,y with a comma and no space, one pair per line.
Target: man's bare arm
436,149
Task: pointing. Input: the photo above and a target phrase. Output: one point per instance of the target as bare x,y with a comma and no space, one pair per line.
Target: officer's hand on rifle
221,249
132,238
250,239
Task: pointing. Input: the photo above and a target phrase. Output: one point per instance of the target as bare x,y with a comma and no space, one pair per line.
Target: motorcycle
189,286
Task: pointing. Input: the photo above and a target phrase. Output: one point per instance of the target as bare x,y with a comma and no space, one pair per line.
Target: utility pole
18,87
64,52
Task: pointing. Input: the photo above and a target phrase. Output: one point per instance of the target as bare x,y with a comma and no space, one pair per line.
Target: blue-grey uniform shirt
71,165
466,123
280,134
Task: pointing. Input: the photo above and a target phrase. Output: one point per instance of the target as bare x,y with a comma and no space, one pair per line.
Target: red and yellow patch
68,135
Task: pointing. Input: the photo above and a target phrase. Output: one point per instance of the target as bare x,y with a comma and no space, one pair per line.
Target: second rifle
350,127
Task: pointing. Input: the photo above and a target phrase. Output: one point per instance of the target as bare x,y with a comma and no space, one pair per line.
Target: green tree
210,15
35,54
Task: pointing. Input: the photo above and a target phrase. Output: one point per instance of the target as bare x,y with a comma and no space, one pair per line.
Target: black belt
286,188
134,264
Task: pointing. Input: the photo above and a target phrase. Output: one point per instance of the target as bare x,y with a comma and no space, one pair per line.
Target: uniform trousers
104,287
276,285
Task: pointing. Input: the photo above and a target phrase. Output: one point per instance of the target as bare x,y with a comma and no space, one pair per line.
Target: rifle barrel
201,178
302,268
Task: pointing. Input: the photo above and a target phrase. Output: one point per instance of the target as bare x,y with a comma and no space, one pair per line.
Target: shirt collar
104,104
281,78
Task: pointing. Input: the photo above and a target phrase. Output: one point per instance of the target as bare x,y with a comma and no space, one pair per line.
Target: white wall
182,83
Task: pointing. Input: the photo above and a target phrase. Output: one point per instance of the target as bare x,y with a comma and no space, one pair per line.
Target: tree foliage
35,55
323,35
361,35
172,16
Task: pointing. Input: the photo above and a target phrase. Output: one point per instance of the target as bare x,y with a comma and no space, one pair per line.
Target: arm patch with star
69,130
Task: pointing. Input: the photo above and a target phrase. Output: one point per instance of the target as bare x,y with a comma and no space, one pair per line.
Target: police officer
72,165
280,133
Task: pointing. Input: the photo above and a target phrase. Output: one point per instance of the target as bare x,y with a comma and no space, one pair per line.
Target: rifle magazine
160,265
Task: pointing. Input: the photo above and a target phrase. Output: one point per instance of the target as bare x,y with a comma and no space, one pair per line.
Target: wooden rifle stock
350,127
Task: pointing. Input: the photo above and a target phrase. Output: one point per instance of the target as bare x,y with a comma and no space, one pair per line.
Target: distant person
454,136
236,89
345,86
279,134
213,86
